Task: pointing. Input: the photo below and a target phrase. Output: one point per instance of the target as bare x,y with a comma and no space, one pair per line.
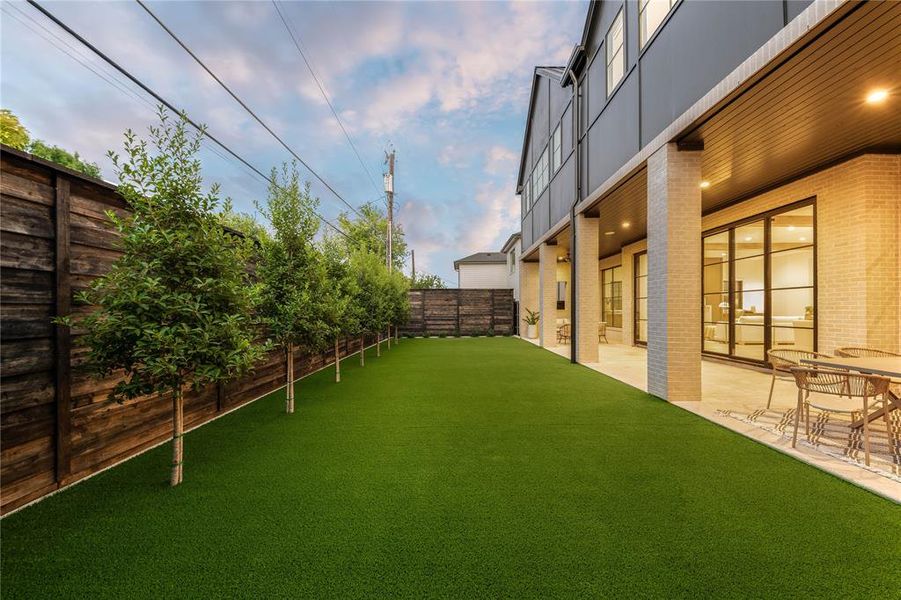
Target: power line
244,106
292,31
165,102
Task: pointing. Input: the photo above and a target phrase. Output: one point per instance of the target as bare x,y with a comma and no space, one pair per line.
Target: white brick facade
674,274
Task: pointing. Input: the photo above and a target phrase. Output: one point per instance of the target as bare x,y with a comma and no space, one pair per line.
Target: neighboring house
717,178
482,270
512,249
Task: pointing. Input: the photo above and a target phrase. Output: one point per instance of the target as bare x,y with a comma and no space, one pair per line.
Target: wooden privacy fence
56,425
460,312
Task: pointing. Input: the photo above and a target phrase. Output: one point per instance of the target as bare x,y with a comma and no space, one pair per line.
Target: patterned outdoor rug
832,434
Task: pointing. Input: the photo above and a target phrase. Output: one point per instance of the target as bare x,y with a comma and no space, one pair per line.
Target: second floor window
616,56
651,14
557,154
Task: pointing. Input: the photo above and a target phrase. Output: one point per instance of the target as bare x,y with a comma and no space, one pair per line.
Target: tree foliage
368,233
427,281
292,272
14,134
175,308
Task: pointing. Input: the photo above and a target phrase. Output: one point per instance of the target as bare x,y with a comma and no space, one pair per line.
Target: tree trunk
389,337
378,343
178,427
362,350
289,387
337,363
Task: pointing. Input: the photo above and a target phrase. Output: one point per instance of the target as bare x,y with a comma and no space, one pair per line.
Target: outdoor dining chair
861,352
563,333
602,332
870,389
783,361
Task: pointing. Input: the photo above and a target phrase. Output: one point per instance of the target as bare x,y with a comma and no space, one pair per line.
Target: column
528,293
547,294
588,289
674,274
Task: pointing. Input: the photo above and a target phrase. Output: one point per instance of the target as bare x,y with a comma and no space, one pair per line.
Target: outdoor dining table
886,366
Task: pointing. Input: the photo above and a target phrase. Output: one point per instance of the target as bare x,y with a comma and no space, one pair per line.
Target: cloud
497,217
500,159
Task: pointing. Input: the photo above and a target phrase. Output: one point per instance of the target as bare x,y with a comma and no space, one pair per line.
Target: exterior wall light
877,96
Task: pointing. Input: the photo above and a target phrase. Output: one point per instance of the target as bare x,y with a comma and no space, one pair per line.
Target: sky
446,84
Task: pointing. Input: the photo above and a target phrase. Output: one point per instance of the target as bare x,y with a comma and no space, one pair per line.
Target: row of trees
192,303
14,134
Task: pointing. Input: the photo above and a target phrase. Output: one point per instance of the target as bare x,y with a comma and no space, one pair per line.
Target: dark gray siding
613,138
695,48
699,45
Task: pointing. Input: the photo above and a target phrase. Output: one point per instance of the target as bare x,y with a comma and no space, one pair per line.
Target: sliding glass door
759,285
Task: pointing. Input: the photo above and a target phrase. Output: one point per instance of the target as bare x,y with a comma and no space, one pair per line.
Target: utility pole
389,194
413,266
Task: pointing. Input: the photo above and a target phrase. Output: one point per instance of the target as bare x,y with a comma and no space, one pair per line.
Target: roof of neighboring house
481,258
510,241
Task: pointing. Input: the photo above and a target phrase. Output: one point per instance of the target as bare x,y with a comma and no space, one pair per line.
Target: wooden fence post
62,335
491,327
459,299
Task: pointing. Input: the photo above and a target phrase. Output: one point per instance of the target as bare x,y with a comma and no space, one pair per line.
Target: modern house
482,270
717,179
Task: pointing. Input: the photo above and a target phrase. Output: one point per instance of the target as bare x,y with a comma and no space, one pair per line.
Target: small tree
174,309
291,273
399,302
427,281
370,274
339,294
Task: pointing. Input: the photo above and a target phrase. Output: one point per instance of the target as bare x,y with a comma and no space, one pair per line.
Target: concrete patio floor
735,397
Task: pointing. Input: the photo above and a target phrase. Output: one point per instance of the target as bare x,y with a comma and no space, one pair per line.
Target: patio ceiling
804,111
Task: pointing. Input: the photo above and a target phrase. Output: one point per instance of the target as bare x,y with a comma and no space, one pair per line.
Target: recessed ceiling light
626,224
748,238
609,233
803,239
877,96
791,227
705,185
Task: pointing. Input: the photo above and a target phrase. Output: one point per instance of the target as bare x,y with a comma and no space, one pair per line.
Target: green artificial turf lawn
459,468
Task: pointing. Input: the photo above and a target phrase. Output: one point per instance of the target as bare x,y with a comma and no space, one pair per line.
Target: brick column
588,289
547,294
674,274
528,292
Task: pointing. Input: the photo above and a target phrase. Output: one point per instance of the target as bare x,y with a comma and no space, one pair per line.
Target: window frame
649,35
621,51
766,217
556,149
613,280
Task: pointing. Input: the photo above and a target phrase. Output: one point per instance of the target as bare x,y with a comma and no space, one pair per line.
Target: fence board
460,312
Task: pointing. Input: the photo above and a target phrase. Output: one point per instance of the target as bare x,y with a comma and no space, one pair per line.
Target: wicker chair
563,333
871,389
602,332
859,352
783,361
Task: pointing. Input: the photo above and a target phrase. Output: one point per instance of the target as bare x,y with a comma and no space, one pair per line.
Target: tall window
641,298
651,14
616,56
758,284
612,296
557,150
526,195
512,260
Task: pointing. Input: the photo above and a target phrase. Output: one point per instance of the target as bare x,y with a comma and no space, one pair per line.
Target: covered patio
735,396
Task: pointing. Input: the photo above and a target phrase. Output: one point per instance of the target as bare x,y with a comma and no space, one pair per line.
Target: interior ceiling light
748,239
705,185
803,239
626,224
609,233
877,96
791,227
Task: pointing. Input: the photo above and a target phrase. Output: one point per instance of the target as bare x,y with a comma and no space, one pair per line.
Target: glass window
616,56
641,298
651,14
612,296
556,144
512,260
758,285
